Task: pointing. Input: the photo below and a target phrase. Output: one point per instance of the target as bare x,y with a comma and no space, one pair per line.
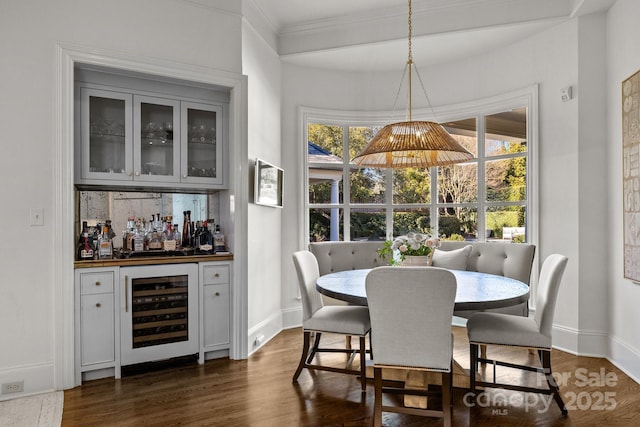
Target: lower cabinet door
216,316
97,334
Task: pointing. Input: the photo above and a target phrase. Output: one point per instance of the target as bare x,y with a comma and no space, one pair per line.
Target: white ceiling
372,34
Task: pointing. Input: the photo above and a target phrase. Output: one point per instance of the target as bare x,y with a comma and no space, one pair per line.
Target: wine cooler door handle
126,294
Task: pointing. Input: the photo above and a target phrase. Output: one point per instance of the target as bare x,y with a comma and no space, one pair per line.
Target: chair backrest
341,256
410,310
548,285
513,260
307,269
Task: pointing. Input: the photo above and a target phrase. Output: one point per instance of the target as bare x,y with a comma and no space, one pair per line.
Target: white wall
203,34
262,64
568,137
623,60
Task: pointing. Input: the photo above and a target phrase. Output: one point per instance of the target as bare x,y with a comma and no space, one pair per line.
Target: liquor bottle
168,239
154,235
105,245
138,238
205,240
218,241
85,245
187,231
197,231
177,236
128,233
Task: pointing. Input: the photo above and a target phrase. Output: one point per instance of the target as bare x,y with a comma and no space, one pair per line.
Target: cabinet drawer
216,300
215,274
96,283
97,339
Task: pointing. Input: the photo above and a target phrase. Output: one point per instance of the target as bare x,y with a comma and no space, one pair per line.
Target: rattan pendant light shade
412,144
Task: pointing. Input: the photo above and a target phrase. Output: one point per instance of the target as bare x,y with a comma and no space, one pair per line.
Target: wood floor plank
259,392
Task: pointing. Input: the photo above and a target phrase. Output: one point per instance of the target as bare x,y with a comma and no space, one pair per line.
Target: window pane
506,180
323,189
458,223
328,138
506,132
406,220
411,185
465,132
367,185
458,183
368,224
359,137
507,223
320,224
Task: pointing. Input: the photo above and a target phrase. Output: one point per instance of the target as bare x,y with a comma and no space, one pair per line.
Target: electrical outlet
14,387
259,340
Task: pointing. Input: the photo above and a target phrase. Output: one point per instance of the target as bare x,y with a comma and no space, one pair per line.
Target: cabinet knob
98,305
217,294
184,175
216,275
137,173
97,283
129,173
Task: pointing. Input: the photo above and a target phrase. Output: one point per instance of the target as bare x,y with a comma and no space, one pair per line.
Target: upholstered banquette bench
514,260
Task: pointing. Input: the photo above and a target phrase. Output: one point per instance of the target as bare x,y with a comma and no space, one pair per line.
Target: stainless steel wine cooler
159,312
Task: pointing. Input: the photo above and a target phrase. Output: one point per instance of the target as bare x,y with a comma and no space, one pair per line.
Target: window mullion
346,184
388,202
481,188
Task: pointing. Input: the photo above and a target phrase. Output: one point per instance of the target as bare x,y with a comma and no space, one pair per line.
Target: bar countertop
151,260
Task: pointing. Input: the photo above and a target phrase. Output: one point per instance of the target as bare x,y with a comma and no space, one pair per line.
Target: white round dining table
475,291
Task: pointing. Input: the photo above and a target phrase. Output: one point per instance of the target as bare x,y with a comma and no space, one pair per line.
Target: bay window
488,198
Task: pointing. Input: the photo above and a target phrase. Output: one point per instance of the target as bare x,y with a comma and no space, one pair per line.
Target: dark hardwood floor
259,392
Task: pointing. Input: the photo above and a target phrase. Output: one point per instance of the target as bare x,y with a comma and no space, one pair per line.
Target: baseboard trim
263,332
37,379
625,358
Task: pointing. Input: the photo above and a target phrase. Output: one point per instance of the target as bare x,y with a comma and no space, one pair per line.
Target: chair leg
447,389
363,364
473,362
303,357
545,359
483,351
316,343
347,342
377,405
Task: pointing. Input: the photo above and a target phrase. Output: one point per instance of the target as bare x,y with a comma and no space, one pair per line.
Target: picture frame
631,175
268,182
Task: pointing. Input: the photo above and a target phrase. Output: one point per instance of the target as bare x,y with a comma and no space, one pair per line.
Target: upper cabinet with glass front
132,138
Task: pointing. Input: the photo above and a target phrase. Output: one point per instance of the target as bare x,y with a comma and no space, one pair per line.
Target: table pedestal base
414,379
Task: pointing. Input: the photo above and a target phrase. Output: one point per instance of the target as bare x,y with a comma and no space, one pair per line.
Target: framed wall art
268,184
631,175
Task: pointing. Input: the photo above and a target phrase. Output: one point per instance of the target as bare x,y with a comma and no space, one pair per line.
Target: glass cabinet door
201,143
156,151
106,134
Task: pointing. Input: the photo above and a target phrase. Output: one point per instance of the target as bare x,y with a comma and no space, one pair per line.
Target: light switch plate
36,216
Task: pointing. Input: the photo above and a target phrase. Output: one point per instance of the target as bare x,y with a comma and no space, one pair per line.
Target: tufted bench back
341,256
513,260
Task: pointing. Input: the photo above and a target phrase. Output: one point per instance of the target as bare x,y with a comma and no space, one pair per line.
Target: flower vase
417,260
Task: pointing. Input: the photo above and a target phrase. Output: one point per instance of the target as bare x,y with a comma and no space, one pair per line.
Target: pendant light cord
410,61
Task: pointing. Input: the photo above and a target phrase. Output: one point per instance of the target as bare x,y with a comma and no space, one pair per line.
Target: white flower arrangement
411,244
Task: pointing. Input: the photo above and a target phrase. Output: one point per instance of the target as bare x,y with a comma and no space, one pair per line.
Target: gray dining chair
318,318
527,332
411,309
